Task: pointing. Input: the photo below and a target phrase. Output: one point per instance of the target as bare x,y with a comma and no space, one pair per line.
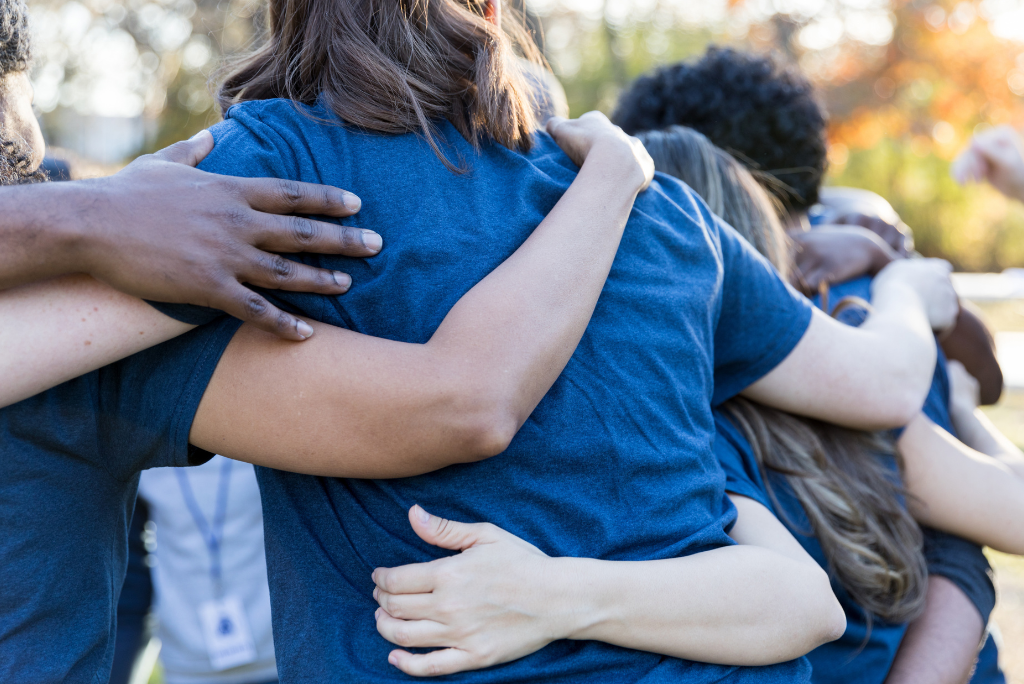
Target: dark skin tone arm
349,405
941,646
838,253
165,231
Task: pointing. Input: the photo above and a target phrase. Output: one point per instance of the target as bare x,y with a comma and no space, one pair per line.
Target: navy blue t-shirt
615,463
69,471
860,656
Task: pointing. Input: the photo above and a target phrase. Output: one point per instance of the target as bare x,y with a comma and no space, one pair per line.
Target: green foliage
974,227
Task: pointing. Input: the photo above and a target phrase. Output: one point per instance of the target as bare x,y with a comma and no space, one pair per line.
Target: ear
492,13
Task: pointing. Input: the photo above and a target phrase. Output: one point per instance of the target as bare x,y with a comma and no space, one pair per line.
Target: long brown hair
394,66
852,497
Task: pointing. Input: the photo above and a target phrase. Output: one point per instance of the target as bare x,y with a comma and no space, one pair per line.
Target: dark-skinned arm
165,231
971,343
348,405
941,646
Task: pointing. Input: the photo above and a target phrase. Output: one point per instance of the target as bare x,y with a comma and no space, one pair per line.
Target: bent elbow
831,618
494,435
485,429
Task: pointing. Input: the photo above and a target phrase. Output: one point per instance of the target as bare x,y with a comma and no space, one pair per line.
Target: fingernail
422,514
343,279
372,241
393,659
304,329
201,134
376,614
375,593
351,202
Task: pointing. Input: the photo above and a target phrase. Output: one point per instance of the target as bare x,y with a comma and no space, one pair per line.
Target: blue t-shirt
69,470
860,656
615,463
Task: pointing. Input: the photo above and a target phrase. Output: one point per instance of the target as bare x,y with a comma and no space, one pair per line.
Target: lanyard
212,534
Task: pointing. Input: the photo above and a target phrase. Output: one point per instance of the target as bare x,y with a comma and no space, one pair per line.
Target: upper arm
833,374
59,329
758,526
761,319
340,404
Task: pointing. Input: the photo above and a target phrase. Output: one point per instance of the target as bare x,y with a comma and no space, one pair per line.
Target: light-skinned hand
579,137
476,607
929,279
995,156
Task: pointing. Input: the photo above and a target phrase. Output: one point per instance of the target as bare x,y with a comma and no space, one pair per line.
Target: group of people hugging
617,401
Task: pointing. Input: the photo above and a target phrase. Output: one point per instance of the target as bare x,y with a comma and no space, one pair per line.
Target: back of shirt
616,461
69,469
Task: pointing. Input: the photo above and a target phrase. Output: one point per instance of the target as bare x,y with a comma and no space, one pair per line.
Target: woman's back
615,463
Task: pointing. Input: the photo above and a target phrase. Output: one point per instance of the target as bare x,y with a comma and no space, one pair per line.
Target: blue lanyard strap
212,535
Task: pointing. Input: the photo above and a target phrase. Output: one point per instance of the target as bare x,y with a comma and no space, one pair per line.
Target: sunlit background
906,84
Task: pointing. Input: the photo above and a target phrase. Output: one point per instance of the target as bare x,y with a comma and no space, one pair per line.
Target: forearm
940,647
739,605
40,236
958,490
62,328
885,367
512,334
349,405
977,432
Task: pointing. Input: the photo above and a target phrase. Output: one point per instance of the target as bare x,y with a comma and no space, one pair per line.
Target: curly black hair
15,41
764,113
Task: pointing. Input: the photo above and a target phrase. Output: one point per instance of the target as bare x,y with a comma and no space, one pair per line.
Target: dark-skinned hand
163,230
835,254
897,235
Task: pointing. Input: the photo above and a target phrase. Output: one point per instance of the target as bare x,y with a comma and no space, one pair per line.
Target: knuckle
305,231
281,268
402,637
255,305
290,192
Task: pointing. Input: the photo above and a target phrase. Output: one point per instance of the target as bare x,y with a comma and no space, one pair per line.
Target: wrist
580,609
614,159
86,228
883,256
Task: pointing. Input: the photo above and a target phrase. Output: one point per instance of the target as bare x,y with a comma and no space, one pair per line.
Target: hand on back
481,607
995,156
593,131
835,254
163,230
929,280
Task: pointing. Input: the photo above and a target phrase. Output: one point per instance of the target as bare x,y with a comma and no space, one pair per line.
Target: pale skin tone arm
350,405
884,366
961,490
763,601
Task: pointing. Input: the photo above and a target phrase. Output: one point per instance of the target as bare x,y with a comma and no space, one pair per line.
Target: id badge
226,632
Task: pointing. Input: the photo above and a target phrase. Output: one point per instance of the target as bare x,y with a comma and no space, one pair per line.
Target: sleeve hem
183,453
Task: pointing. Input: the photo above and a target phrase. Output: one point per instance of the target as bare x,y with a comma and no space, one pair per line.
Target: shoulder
263,138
